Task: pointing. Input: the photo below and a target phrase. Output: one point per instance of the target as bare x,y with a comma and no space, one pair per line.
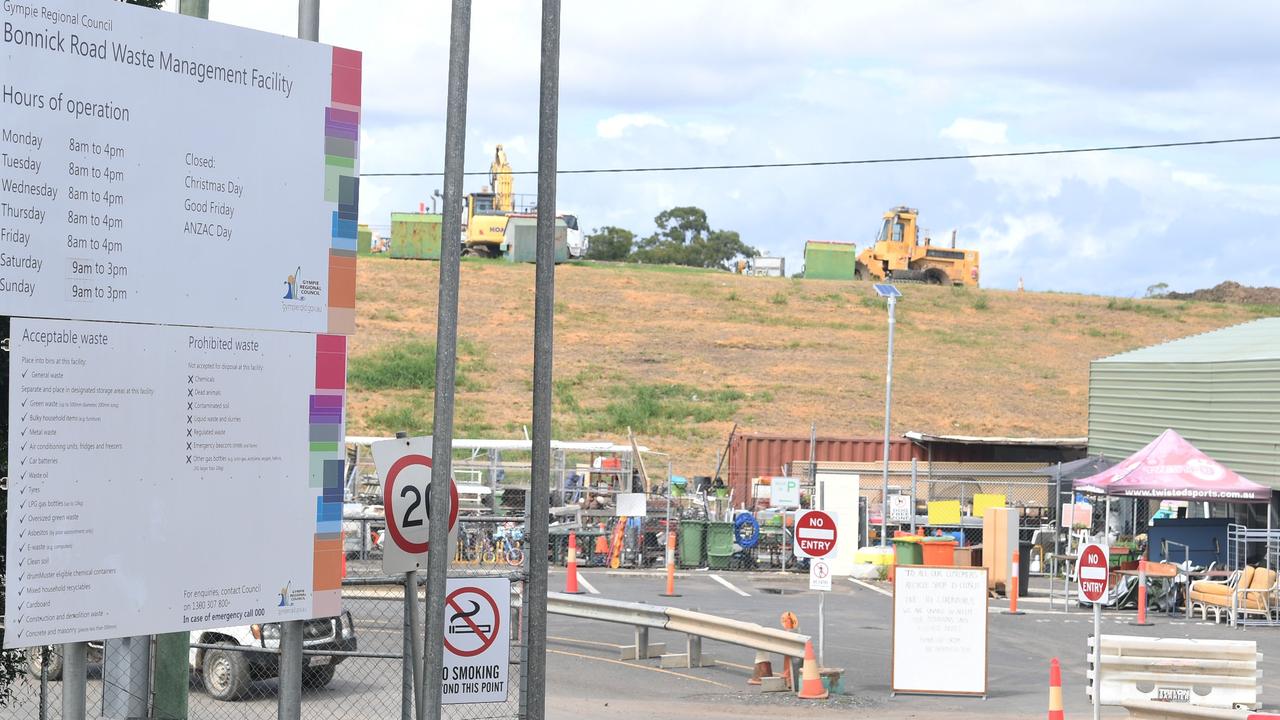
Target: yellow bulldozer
900,255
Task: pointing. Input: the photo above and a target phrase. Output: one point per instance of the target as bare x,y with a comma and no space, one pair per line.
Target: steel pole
543,327
289,698
913,496
411,665
888,399
308,19
194,8
74,680
455,142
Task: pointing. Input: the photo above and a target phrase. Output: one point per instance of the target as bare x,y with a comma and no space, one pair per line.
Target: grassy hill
680,354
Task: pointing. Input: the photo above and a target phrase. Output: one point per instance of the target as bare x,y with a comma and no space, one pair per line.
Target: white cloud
977,131
616,126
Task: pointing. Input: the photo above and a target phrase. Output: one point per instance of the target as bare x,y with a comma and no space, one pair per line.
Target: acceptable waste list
163,440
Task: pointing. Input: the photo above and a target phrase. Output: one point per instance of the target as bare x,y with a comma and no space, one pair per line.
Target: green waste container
691,534
906,550
719,545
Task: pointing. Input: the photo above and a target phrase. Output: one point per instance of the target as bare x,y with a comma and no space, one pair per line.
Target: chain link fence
353,664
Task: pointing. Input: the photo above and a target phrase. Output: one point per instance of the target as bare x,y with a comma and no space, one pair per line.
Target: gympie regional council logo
297,289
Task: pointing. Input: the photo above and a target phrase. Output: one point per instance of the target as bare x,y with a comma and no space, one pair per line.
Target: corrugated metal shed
760,455
1220,390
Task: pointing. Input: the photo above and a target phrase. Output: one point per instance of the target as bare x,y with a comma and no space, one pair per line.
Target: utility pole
455,145
891,294
543,324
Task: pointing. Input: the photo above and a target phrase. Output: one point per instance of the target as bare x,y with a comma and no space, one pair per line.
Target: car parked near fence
227,672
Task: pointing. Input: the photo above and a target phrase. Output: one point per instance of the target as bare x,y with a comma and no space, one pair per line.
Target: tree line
683,236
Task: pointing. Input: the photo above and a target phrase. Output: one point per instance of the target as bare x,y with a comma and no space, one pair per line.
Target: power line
866,161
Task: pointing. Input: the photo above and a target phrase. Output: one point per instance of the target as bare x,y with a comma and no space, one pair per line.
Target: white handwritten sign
940,631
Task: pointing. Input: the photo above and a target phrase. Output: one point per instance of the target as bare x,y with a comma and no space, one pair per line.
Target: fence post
74,680
913,496
409,675
289,700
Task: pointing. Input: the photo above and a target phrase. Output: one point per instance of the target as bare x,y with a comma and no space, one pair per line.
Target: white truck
228,673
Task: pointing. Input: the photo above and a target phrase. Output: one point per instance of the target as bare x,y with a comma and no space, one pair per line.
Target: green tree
684,237
610,243
1158,290
157,4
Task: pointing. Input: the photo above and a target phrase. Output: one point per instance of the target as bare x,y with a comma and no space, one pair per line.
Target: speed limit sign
404,464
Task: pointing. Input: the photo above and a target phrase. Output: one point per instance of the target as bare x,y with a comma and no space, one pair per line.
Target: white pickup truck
228,673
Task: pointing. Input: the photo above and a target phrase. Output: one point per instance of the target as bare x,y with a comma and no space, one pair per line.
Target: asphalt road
585,679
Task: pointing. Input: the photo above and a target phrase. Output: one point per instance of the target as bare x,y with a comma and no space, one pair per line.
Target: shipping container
520,244
415,236
364,237
829,260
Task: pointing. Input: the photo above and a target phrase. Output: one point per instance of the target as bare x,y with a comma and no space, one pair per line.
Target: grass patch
657,409
411,365
981,303
778,298
388,314
732,296
875,303
412,416
1263,310
1152,309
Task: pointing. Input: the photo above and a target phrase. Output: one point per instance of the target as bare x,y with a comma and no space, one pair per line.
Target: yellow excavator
899,255
489,209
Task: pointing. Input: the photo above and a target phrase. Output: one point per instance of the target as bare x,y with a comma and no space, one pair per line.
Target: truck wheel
318,677
226,673
53,670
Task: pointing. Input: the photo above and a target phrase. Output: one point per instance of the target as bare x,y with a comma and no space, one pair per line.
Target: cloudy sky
712,82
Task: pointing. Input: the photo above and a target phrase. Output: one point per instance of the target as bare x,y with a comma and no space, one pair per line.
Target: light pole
891,294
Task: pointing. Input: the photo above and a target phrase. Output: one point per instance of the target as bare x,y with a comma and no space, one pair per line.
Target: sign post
816,534
1093,573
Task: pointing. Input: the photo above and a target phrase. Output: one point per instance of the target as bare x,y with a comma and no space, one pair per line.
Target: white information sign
404,467
159,168
899,508
939,622
163,479
819,575
477,640
630,505
784,492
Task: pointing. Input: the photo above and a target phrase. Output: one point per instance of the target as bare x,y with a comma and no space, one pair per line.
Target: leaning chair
1258,597
1218,596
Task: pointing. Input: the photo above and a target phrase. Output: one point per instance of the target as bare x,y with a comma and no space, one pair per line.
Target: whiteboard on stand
939,623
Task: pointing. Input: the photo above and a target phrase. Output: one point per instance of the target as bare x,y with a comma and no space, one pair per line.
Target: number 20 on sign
404,467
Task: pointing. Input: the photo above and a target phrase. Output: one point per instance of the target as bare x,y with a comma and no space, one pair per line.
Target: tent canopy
1171,468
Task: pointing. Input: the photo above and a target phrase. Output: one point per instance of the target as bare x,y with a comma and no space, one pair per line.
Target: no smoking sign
477,640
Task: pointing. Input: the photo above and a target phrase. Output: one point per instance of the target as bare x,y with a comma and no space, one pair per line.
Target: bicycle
506,545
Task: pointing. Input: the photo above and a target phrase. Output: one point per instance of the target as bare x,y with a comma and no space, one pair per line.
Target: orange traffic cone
810,679
763,668
1055,690
671,565
571,574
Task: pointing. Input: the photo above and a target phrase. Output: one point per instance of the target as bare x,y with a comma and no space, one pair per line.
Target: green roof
1256,340
830,246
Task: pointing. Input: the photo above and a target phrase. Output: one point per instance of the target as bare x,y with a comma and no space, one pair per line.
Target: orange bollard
1012,588
1142,594
571,573
1055,690
671,565
790,623
810,678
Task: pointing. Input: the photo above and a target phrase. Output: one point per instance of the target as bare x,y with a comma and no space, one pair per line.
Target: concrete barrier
1152,710
1223,674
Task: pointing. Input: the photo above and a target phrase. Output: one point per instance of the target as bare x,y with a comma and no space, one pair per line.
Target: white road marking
582,580
729,585
870,587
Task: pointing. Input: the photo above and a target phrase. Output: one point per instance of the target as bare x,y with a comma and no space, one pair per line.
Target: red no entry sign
815,534
474,621
1093,572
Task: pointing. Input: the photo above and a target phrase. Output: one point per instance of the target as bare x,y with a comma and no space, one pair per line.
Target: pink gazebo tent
1171,468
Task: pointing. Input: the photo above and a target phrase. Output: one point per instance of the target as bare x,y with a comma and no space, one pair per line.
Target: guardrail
694,625
1222,674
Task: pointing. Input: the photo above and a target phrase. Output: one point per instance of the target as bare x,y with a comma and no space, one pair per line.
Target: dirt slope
771,354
